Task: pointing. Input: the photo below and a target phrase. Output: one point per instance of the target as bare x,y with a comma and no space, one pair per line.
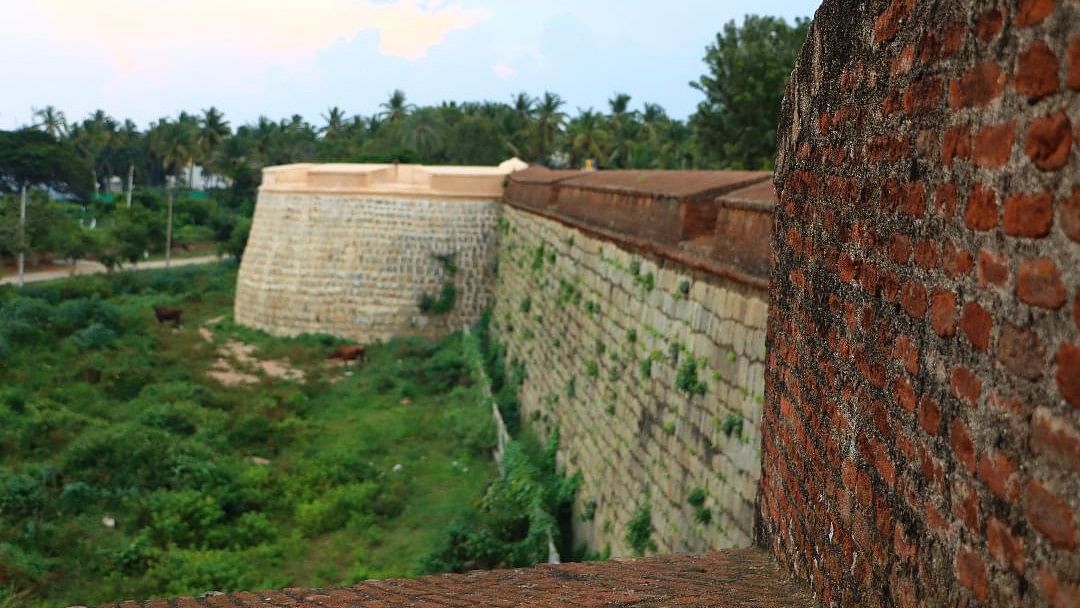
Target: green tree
550,120
748,69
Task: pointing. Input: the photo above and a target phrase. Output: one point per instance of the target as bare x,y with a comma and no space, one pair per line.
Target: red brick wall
922,422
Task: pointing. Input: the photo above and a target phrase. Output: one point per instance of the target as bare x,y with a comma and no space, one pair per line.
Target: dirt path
84,267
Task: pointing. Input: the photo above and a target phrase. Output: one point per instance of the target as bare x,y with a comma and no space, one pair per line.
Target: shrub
687,378
20,495
639,531
96,336
183,518
335,508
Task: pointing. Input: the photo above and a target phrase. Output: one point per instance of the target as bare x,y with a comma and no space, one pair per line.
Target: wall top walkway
391,179
717,222
727,579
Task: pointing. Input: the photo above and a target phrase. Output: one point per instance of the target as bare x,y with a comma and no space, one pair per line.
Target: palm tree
549,123
623,130
588,138
52,121
422,134
335,122
396,107
213,130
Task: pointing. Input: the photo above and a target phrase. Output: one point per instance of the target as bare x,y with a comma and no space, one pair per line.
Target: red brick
956,144
904,61
900,248
966,505
1074,63
976,324
913,200
904,393
913,299
1050,515
1029,215
1021,351
999,474
907,353
903,544
1057,593
929,415
1055,438
1038,283
981,211
955,262
923,95
943,313
993,145
926,255
971,572
1032,12
945,199
1070,215
989,25
1068,373
888,23
962,446
993,269
1036,74
954,39
1006,548
1049,140
966,386
978,87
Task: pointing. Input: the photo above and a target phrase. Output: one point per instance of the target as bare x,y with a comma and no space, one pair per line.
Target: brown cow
164,314
349,352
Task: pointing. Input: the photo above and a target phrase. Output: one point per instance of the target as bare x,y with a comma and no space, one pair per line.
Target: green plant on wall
639,531
687,379
645,367
444,302
592,369
732,425
696,498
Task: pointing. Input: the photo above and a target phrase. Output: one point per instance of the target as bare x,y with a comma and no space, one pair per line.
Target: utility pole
168,232
131,181
22,237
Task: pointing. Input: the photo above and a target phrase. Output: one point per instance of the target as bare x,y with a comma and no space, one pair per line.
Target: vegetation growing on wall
442,304
528,505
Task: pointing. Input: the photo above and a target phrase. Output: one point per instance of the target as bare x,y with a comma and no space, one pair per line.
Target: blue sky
145,59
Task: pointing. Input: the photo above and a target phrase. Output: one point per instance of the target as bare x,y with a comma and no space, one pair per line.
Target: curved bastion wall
351,250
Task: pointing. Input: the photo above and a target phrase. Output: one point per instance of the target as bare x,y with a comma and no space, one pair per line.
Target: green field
106,416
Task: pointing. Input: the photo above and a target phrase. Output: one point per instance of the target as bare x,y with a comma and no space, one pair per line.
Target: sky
145,59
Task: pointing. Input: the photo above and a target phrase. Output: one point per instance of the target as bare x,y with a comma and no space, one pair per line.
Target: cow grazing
349,352
164,314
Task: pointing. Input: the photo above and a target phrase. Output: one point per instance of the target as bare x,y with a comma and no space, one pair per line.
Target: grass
126,423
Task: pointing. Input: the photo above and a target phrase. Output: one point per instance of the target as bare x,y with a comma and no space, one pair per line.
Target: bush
25,320
20,495
639,531
94,337
183,518
335,508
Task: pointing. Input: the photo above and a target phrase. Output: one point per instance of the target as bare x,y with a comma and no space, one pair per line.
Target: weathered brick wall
356,266
922,418
605,324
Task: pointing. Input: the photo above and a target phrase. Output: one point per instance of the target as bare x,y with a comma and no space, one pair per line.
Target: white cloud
504,70
143,35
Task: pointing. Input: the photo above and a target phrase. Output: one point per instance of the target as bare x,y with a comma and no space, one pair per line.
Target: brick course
948,475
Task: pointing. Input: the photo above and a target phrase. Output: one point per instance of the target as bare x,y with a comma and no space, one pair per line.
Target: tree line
747,67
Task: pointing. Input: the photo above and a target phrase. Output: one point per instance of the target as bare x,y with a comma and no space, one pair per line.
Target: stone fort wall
921,434
351,250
